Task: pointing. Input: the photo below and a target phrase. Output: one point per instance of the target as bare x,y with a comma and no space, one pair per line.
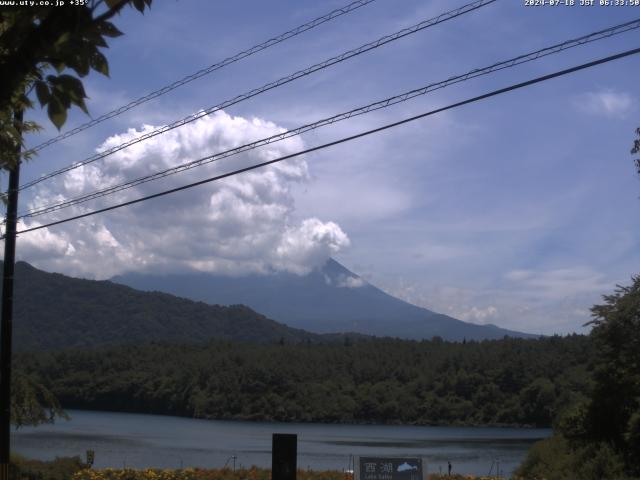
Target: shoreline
306,422
145,441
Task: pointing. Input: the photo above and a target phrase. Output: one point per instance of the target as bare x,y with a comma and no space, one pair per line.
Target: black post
6,322
284,455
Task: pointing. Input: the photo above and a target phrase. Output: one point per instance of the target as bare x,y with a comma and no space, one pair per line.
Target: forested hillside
53,311
599,436
501,382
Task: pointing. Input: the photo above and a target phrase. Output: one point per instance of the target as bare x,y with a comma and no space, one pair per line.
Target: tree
600,437
614,412
32,403
47,49
43,50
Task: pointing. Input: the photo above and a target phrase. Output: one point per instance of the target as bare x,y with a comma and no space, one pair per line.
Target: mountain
330,299
53,311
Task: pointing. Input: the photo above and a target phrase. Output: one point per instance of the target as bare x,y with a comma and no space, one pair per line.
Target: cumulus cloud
43,244
606,102
242,224
546,302
479,315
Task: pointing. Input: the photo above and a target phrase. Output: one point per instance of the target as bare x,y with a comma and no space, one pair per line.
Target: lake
133,440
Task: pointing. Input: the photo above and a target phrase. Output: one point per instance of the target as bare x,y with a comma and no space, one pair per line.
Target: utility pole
6,322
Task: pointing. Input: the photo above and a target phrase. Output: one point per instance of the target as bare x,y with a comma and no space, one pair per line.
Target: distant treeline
500,382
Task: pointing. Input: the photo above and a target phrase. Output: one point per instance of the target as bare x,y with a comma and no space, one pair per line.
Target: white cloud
606,102
346,281
539,302
308,245
241,224
454,301
43,244
479,315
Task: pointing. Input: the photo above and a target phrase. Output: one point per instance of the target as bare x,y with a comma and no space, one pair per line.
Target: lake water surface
132,440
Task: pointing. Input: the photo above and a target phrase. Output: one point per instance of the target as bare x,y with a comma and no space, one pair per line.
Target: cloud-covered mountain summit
243,224
329,299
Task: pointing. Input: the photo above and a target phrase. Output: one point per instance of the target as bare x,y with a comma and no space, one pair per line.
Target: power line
345,139
207,70
592,37
443,17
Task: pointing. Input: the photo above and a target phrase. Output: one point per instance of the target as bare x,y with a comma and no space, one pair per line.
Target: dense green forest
598,437
498,382
86,313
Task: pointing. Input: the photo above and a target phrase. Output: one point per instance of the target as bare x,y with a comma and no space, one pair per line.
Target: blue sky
521,210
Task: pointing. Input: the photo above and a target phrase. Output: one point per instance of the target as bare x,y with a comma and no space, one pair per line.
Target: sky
521,210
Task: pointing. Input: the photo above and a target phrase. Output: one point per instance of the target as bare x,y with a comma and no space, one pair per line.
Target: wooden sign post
284,455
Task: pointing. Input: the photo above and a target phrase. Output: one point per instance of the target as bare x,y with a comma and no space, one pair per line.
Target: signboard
390,468
284,454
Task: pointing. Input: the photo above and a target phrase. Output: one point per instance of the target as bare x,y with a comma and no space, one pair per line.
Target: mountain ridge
53,311
329,299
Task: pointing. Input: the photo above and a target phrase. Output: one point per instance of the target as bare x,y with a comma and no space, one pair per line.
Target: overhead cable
207,70
342,140
387,102
269,86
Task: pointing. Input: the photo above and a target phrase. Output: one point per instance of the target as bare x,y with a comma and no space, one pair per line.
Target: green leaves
62,39
108,29
59,93
43,93
65,41
99,63
74,91
32,403
57,112
139,5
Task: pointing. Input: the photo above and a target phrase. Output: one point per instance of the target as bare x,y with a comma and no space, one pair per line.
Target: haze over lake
133,440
